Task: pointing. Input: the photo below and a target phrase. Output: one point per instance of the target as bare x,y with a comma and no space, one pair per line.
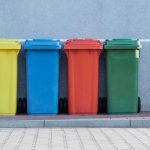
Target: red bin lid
83,44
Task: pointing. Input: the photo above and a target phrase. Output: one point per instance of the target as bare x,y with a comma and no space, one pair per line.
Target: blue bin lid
42,44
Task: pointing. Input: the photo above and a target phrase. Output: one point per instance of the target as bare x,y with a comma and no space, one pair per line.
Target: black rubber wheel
24,106
19,106
139,104
60,106
65,106
99,105
104,105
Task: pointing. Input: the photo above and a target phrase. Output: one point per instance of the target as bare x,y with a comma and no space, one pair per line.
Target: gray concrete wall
63,19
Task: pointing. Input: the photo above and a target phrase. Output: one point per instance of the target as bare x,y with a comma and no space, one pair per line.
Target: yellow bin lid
10,44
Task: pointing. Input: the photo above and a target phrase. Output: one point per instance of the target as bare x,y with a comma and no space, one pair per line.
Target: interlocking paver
74,139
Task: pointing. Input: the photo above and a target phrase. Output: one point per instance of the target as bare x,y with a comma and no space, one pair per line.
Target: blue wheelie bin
42,72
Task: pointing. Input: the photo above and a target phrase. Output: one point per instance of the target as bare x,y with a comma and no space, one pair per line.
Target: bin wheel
139,104
99,105
24,105
60,106
65,105
19,105
104,105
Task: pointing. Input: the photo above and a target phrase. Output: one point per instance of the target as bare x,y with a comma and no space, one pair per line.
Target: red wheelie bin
83,75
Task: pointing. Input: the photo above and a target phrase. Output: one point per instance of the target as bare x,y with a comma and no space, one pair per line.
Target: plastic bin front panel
83,81
8,82
42,81
122,81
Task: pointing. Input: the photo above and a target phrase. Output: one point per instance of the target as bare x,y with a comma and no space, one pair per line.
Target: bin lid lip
122,44
42,44
9,44
83,44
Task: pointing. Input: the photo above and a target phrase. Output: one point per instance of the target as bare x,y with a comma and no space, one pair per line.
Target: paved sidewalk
74,139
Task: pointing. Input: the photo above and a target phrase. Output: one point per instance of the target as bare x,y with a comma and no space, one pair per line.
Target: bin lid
42,44
9,44
122,44
83,44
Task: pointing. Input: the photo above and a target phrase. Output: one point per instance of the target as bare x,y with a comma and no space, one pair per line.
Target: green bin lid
122,44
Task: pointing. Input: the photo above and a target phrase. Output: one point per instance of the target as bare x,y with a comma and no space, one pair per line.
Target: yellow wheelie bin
9,50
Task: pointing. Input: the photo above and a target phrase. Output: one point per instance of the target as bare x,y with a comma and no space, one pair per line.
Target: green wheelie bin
122,61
